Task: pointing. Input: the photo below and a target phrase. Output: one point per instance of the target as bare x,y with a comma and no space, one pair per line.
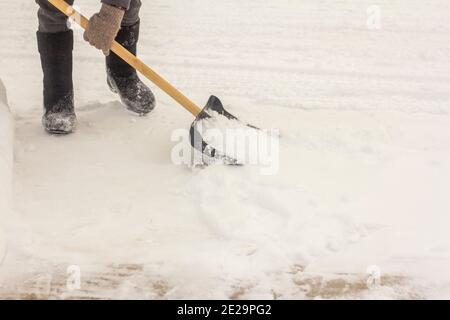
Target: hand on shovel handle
103,28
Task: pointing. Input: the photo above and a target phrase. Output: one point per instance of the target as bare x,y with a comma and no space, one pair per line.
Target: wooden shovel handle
132,60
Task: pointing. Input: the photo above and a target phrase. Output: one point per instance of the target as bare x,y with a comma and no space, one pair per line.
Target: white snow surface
364,162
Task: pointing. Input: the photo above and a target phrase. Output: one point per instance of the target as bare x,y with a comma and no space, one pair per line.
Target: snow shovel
213,108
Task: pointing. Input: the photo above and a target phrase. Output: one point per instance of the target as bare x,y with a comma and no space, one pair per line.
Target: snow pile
240,141
6,163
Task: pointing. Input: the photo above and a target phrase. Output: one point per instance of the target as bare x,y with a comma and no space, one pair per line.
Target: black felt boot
56,59
123,79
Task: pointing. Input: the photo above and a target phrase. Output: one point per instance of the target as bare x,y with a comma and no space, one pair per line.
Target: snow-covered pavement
364,158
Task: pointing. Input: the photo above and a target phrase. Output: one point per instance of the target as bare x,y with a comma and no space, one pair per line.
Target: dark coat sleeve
118,3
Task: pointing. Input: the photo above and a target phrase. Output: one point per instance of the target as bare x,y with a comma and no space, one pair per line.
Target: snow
363,164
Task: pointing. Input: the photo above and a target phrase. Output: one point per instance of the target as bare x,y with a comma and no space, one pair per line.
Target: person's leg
51,20
131,16
122,78
55,44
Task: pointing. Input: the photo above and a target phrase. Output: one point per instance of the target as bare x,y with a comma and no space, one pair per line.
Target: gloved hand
103,27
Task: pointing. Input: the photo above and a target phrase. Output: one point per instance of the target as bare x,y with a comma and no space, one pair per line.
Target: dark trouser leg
51,20
122,78
132,15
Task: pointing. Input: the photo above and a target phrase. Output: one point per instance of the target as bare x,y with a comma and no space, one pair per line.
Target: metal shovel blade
213,108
